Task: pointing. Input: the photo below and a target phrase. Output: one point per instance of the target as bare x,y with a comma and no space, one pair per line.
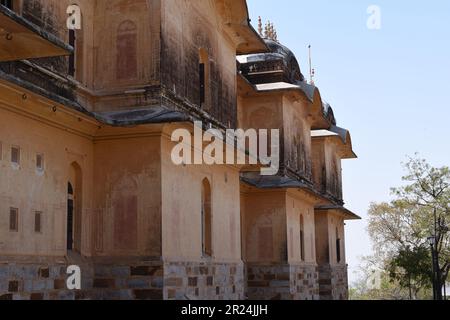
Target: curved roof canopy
236,20
20,39
342,136
277,65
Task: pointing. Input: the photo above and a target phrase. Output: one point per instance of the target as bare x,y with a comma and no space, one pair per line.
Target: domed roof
263,67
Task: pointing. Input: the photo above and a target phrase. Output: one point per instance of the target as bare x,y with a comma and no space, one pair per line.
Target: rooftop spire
260,26
269,31
312,71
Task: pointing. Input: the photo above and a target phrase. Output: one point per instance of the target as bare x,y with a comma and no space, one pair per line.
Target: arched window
74,208
70,189
302,238
72,42
206,219
338,247
203,77
126,64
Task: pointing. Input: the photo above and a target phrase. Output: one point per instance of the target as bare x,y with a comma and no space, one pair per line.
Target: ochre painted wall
264,226
326,225
187,27
336,222
181,209
125,44
322,238
28,190
127,197
297,137
271,226
297,205
327,167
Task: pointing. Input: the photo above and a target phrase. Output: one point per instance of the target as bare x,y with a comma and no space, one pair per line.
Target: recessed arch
206,208
74,207
338,247
204,78
126,47
302,238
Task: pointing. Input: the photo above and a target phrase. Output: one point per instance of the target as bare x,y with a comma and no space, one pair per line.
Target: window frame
40,215
14,147
338,247
14,211
207,219
302,239
40,168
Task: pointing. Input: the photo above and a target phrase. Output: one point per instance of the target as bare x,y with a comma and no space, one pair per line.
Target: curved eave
302,88
240,29
319,121
341,137
21,39
249,41
346,138
340,210
310,92
284,182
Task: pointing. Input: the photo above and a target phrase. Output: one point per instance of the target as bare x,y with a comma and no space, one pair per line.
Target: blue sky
389,87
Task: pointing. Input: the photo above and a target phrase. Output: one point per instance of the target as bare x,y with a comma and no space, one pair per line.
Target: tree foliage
411,268
376,283
399,229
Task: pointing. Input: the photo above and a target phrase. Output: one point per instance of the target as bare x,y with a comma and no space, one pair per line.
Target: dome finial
267,30
260,26
273,33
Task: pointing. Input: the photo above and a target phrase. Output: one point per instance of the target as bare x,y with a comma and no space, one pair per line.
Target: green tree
411,268
428,189
399,229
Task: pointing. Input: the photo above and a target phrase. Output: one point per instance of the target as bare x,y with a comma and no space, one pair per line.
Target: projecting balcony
20,39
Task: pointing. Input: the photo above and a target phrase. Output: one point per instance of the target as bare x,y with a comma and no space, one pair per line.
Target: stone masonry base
156,280
333,282
123,281
203,281
98,282
282,282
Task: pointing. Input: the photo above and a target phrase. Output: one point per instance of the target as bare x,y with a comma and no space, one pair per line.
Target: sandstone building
86,176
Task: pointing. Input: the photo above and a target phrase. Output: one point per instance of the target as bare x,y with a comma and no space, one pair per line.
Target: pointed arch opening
338,247
302,239
204,78
207,249
74,208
